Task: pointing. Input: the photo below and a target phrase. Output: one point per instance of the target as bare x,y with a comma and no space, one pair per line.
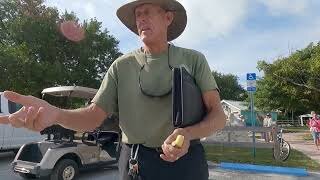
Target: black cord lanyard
142,67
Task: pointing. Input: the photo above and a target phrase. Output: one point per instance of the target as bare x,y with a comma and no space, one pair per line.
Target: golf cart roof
71,91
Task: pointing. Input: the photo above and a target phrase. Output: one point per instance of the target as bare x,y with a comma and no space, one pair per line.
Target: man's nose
141,19
141,22
142,16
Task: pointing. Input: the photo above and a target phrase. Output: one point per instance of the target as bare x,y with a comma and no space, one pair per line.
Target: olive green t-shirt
143,119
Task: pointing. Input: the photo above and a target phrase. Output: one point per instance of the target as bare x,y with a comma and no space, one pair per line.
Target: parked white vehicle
11,139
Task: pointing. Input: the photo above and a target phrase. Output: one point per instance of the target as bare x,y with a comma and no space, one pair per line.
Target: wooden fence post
276,145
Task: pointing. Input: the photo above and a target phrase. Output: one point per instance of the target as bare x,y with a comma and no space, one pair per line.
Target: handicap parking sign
251,76
251,82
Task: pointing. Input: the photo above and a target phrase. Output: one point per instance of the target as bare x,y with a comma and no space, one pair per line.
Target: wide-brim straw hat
126,14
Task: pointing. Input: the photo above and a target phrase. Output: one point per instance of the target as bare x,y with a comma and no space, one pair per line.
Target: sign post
251,88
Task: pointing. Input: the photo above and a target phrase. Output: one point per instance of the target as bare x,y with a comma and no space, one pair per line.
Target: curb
264,169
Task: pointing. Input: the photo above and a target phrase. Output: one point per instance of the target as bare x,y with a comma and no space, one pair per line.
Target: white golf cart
65,152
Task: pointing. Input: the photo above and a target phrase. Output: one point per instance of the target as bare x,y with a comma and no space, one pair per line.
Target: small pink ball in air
72,31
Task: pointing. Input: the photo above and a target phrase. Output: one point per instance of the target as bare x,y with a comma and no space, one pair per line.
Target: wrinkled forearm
211,123
82,119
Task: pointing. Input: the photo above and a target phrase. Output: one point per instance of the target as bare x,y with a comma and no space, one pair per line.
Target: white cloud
85,9
208,19
279,7
105,12
218,28
90,9
239,55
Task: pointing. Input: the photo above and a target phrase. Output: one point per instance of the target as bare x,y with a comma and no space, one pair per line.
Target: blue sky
232,34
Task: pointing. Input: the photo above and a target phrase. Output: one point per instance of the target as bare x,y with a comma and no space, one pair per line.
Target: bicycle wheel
284,150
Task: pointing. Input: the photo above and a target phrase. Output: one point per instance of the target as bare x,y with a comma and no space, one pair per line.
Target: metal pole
292,117
253,123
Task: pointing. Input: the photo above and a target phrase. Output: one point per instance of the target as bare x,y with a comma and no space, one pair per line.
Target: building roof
240,105
71,91
306,115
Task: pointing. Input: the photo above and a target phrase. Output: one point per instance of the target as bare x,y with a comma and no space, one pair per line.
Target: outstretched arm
37,114
82,119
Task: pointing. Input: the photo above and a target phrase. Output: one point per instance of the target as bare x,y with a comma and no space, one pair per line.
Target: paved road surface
111,174
306,146
97,174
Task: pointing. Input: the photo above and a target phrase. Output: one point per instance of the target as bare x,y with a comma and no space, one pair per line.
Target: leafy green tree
291,83
229,87
34,53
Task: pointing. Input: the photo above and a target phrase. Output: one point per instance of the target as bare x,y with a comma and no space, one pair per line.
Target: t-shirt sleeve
203,75
107,96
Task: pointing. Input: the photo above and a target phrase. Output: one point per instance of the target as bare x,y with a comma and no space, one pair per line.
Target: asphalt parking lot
112,173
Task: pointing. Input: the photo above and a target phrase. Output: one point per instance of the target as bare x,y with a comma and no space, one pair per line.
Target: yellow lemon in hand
178,142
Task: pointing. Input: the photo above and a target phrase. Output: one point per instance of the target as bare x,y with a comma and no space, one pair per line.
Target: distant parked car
11,139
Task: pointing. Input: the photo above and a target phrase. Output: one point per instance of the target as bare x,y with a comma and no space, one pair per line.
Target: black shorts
192,166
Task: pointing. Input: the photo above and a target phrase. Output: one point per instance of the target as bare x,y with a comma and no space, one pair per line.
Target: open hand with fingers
172,153
36,114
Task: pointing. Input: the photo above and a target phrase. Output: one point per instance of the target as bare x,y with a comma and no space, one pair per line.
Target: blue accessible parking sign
251,82
251,76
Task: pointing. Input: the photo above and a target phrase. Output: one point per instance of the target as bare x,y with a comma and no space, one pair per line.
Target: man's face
152,22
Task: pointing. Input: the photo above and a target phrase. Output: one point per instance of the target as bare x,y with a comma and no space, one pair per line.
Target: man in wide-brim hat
127,15
156,22
137,87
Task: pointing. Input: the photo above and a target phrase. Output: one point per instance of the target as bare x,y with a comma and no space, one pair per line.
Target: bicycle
284,151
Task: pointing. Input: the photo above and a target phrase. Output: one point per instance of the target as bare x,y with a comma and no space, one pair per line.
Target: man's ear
169,17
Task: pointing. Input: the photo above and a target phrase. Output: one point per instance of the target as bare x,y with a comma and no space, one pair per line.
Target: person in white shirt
267,122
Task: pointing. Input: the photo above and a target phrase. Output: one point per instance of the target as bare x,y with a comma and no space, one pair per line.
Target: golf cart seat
107,136
101,137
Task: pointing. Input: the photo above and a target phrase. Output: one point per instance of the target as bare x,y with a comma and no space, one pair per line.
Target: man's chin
146,40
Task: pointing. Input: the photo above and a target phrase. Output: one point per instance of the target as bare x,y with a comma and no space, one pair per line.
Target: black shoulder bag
187,103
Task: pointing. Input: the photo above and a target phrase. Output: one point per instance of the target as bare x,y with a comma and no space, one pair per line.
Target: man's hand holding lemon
176,145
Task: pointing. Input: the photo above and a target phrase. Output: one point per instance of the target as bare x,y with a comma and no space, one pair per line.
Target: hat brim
126,14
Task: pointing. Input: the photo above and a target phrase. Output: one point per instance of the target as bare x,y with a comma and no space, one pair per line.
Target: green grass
307,137
294,129
219,154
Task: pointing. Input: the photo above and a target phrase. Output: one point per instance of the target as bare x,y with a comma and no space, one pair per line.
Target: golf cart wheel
284,151
27,176
65,169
